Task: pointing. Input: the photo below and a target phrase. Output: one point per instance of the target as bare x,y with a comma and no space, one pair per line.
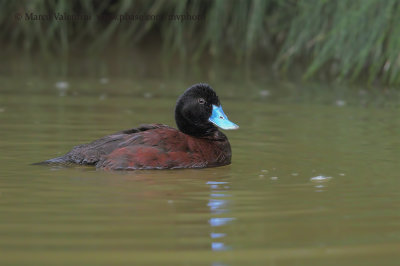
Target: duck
196,143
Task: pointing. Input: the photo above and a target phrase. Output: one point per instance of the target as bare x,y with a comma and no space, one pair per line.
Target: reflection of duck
198,143
218,205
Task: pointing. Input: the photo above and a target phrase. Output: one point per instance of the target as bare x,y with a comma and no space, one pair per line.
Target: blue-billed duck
197,144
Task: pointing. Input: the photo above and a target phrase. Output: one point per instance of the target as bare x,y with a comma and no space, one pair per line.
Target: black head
194,109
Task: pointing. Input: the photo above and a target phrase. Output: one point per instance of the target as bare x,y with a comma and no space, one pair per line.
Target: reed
356,40
350,39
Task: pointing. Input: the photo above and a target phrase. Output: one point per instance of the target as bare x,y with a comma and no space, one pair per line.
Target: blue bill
219,119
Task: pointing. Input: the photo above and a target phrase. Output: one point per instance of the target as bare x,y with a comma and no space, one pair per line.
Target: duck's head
198,111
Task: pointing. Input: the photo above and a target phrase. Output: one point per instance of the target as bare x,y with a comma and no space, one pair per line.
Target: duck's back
153,146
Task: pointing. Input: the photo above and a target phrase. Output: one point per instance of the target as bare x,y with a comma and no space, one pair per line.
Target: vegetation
344,40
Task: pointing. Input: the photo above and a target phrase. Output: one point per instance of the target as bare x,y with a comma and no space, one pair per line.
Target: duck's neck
196,130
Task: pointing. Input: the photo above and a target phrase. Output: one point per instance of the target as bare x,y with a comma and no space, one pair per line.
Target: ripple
320,178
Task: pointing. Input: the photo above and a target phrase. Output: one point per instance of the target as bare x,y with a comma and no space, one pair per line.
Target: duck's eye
201,101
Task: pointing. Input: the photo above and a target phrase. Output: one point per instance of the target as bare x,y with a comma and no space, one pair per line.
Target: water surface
312,182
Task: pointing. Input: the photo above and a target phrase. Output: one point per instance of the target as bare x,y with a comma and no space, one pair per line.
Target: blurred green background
342,41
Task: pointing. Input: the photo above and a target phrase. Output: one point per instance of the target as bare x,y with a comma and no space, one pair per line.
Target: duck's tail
57,160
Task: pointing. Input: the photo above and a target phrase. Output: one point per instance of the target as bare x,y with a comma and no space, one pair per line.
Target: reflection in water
319,188
319,180
218,204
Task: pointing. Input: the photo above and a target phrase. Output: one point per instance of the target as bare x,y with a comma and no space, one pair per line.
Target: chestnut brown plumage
197,144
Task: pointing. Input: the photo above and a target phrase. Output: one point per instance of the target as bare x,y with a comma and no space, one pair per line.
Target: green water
263,209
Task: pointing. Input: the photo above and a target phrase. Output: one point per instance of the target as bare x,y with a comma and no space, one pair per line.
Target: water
312,181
